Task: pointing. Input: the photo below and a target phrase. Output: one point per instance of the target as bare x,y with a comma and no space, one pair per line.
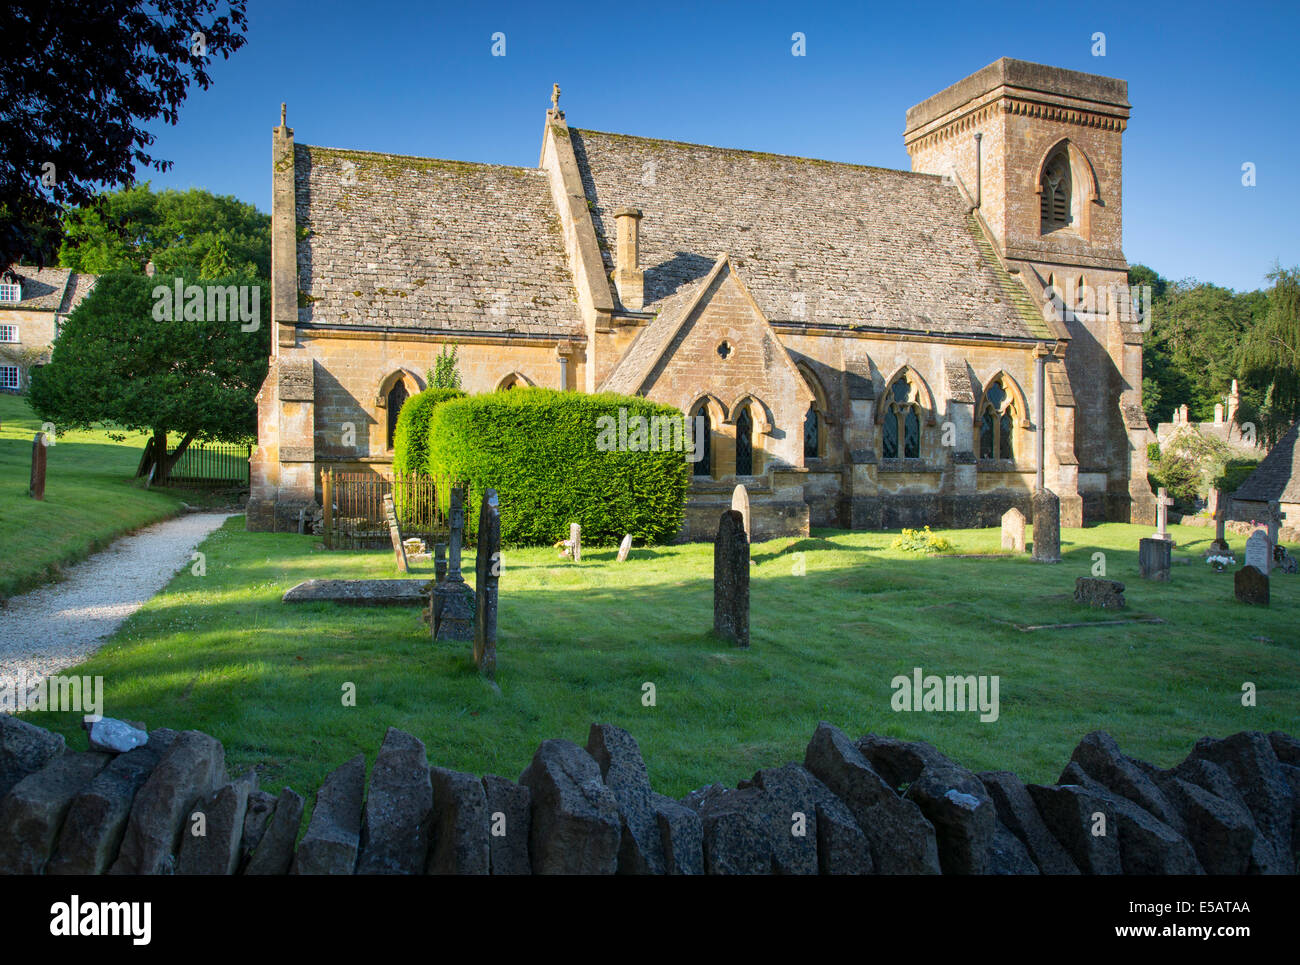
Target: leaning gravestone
37,488
452,606
1013,530
394,534
731,580
1155,557
740,503
624,547
1047,526
487,573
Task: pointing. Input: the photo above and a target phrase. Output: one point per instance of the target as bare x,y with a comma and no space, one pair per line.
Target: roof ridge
417,157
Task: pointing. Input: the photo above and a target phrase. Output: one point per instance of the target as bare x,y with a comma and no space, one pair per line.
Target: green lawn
91,497
221,653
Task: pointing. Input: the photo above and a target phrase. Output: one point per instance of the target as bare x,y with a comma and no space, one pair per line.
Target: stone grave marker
575,542
731,580
1163,502
487,573
1047,526
1155,557
740,503
1259,551
37,488
624,548
394,533
1013,530
454,611
1093,591
1274,520
1250,585
1220,545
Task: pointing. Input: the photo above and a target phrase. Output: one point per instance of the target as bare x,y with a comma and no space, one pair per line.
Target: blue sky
1212,86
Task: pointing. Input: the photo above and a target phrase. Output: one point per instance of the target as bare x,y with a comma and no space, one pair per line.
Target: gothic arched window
812,433
744,443
703,438
396,399
1056,190
900,430
997,423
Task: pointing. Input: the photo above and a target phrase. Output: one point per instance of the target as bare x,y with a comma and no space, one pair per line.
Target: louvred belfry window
1055,200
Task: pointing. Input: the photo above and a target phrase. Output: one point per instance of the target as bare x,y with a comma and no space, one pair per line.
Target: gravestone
624,547
1093,591
1220,545
1250,585
1047,526
37,488
487,573
439,561
1163,502
1274,521
439,574
455,611
575,542
731,580
1013,530
394,533
740,503
1259,551
1155,557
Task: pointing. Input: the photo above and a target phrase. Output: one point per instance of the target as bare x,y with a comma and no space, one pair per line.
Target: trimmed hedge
411,438
538,449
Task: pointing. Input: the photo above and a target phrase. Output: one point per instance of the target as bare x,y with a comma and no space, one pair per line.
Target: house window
396,399
11,292
704,439
8,333
744,443
997,423
900,434
1055,198
8,377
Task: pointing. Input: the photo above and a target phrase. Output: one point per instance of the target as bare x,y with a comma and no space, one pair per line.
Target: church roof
51,289
820,242
1278,474
417,243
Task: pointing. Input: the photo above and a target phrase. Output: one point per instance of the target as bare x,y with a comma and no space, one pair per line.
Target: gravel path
61,624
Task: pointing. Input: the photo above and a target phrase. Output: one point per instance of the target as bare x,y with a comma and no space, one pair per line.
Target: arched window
998,417
816,419
1056,191
702,426
812,433
397,396
900,430
744,443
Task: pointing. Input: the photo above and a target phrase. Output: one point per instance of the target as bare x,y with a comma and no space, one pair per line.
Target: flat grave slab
360,592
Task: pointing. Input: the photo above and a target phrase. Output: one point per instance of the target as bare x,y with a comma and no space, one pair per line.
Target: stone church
867,348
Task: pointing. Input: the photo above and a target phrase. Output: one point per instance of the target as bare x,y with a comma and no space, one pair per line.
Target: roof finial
555,97
283,111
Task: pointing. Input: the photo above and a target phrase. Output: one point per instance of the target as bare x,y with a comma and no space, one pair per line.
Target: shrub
921,541
538,449
411,438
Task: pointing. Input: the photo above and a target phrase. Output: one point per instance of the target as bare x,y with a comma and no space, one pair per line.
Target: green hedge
538,448
411,439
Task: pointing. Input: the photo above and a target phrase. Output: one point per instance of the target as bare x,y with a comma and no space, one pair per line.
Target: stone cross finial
1163,502
555,97
283,113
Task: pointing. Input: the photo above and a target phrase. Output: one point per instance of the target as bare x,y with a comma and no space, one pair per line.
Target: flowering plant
1220,563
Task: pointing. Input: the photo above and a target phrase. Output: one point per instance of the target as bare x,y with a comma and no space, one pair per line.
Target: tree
445,373
119,359
78,81
1272,357
192,234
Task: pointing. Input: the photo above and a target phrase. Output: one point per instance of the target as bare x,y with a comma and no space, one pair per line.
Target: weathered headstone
575,542
1220,545
1163,502
1155,557
1259,551
1093,591
452,607
487,572
439,574
1013,530
37,488
740,503
624,547
1274,521
731,580
1250,585
1047,526
394,533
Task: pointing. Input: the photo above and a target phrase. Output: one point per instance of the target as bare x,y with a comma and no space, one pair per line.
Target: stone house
1275,480
866,347
33,304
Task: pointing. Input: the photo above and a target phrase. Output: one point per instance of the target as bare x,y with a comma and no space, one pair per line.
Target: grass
578,642
91,498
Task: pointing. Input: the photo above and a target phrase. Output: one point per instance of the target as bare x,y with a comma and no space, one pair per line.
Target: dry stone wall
878,805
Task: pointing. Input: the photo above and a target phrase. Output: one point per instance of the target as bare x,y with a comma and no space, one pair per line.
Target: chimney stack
629,279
